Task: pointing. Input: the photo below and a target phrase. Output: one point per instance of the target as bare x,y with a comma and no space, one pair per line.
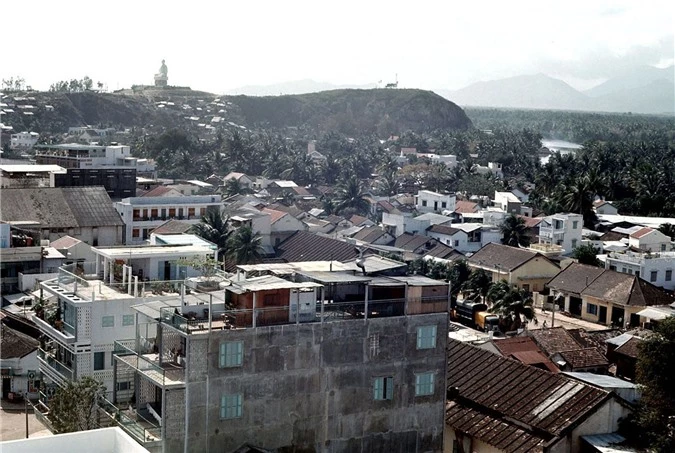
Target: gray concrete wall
311,386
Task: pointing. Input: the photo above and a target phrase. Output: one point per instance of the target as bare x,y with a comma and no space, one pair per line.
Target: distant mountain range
292,87
642,90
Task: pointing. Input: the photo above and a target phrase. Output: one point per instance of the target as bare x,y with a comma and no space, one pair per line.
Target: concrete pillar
106,269
98,264
136,286
111,272
365,312
255,303
405,299
323,300
129,278
297,304
124,274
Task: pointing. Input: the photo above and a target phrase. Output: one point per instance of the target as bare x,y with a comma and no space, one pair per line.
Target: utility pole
26,408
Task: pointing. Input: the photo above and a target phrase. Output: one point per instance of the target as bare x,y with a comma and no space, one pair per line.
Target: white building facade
428,201
656,268
23,141
141,215
563,230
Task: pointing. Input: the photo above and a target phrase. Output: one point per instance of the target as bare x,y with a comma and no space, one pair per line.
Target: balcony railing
142,429
66,334
198,319
48,359
164,374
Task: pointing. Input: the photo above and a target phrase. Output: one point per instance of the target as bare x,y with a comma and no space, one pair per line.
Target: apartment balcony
551,233
146,431
166,371
639,258
54,368
60,331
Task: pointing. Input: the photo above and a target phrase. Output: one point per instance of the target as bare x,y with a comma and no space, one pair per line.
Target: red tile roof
641,232
65,242
274,214
466,207
305,246
159,191
584,358
554,339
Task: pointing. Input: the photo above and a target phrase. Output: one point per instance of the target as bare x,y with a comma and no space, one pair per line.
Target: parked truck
475,315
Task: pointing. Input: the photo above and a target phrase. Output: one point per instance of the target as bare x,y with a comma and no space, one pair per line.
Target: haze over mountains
644,89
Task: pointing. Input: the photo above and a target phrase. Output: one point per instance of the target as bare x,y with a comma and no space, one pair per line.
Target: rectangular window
426,337
383,388
663,247
575,224
456,243
135,233
121,386
424,202
108,321
137,214
444,204
637,273
424,384
191,212
231,354
153,213
128,320
526,287
653,275
99,361
230,406
669,275
574,243
592,309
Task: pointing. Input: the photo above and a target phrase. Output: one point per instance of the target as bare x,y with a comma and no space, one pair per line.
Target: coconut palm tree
350,194
668,229
514,231
478,284
214,228
512,304
244,246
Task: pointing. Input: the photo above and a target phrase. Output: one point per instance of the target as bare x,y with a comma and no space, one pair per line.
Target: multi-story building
23,141
329,362
92,165
656,268
563,230
143,214
428,201
19,176
94,302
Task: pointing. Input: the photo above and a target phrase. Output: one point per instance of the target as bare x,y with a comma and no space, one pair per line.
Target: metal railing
61,368
150,366
190,320
143,430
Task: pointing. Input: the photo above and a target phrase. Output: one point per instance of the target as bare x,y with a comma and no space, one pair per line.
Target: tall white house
141,215
563,230
428,201
22,141
656,268
75,155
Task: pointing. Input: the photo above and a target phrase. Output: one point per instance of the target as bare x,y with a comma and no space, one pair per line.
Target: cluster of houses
327,339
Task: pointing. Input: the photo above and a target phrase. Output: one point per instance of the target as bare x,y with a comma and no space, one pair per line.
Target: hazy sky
220,45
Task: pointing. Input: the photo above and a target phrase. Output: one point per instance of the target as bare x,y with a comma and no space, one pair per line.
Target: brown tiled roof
442,251
412,242
508,258
172,226
274,214
535,358
443,229
554,339
386,206
630,348
465,207
575,278
531,222
335,219
14,344
160,191
493,430
625,289
498,387
612,236
305,246
584,358
369,234
595,338
357,220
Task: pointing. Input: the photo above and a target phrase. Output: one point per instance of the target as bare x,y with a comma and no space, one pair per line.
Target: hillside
292,87
377,111
382,112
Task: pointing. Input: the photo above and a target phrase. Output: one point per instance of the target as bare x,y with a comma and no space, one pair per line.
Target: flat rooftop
152,251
